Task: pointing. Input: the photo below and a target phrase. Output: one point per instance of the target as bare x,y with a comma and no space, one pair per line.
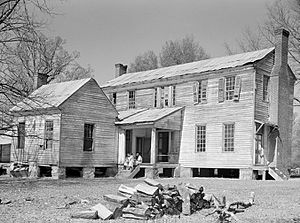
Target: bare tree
181,51
145,61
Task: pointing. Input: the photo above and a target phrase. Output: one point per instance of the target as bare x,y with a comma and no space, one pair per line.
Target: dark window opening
88,137
100,172
167,173
21,135
48,142
114,98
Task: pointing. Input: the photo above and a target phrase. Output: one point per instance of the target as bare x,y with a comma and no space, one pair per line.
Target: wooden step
277,174
128,174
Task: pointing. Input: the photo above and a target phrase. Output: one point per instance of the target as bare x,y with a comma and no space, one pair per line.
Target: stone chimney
39,79
120,69
279,75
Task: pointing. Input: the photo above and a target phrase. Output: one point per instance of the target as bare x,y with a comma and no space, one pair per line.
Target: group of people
131,161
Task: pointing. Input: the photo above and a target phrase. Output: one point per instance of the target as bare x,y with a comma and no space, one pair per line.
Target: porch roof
148,116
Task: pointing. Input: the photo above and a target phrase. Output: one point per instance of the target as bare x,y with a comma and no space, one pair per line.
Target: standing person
139,159
131,161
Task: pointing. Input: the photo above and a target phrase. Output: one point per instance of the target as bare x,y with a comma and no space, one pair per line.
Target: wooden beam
153,146
122,143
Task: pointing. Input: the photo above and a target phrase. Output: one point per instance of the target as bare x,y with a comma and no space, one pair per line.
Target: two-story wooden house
228,117
64,127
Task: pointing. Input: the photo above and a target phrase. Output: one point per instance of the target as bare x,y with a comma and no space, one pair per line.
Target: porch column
122,143
153,146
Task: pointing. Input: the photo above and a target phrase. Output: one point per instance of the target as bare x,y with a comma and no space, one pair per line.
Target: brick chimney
279,76
39,79
120,69
281,88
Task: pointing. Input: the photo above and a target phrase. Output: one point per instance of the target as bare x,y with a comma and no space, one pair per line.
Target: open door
143,146
163,147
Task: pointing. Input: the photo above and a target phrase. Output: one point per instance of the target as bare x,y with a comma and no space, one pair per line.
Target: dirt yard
39,200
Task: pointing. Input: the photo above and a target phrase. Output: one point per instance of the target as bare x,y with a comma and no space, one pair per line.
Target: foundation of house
33,170
151,172
185,172
111,171
246,174
58,172
88,172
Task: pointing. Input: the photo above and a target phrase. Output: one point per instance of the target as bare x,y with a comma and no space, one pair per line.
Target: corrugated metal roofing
50,95
149,115
190,68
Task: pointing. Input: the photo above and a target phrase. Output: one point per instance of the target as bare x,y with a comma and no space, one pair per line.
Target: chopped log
146,189
103,212
141,212
127,190
153,183
115,208
115,198
132,216
185,195
85,214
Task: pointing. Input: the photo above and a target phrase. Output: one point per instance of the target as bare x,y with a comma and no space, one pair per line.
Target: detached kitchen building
228,117
63,126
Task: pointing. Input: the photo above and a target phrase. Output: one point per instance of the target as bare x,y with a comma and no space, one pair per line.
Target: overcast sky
106,32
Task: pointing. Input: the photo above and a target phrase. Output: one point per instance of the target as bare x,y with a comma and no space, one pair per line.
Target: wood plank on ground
103,212
146,189
93,214
115,198
126,189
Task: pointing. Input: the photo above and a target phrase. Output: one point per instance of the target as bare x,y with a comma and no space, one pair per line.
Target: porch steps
277,174
128,174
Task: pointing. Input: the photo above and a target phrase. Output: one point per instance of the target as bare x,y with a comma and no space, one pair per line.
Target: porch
153,133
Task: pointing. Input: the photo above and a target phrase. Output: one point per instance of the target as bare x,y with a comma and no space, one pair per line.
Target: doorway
143,146
163,147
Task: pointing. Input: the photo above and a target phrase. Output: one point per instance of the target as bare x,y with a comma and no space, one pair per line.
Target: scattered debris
5,201
28,199
151,200
83,201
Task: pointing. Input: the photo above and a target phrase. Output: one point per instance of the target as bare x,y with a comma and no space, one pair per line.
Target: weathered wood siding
34,149
264,67
214,114
143,99
172,121
88,105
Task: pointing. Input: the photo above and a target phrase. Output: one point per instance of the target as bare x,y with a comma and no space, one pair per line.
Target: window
48,140
131,99
200,138
114,98
88,137
265,87
200,91
21,135
173,95
155,102
229,88
228,137
166,96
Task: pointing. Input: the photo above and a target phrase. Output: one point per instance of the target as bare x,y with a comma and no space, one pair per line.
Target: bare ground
275,201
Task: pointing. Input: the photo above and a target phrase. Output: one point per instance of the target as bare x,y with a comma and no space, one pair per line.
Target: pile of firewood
150,200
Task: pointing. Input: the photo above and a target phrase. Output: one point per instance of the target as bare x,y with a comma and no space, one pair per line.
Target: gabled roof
147,116
50,95
202,66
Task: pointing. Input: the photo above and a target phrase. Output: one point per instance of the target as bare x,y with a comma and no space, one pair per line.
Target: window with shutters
229,87
228,143
200,138
131,99
265,87
48,139
21,135
164,96
88,137
200,91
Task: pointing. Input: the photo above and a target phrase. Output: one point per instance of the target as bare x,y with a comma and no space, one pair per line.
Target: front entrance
143,146
163,147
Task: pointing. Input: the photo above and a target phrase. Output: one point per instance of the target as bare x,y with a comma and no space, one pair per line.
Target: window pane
48,134
228,137
229,87
21,135
200,138
88,137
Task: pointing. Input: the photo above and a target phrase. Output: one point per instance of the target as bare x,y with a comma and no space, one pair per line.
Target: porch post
153,146
122,143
